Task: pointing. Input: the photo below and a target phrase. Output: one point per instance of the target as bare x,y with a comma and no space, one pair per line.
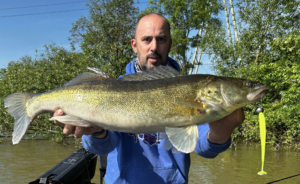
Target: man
144,160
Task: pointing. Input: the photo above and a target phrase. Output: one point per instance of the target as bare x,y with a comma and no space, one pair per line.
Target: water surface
30,159
242,164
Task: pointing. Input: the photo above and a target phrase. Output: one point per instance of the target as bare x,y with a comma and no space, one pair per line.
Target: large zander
158,100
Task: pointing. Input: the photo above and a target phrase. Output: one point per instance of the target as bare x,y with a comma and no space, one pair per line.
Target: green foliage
185,16
281,73
106,34
259,23
53,69
267,51
104,38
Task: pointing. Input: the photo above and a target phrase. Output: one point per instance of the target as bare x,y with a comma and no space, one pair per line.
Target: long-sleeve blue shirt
133,161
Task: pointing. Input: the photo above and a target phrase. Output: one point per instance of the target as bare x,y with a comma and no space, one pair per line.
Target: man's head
152,41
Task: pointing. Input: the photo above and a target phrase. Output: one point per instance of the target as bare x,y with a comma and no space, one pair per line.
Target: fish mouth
257,94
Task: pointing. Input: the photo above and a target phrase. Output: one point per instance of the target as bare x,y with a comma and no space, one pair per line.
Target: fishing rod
283,179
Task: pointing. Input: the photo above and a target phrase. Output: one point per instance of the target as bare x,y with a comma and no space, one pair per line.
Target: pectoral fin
168,145
175,151
192,104
184,139
70,120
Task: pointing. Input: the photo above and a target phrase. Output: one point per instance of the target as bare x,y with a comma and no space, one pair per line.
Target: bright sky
26,25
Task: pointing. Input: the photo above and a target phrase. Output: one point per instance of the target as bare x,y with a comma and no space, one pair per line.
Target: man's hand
221,130
78,131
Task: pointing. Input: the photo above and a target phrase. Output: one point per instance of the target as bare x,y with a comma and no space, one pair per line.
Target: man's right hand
78,131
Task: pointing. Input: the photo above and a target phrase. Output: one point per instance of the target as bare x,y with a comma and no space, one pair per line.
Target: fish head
227,94
240,92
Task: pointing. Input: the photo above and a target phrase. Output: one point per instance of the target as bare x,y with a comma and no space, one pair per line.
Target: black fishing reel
258,110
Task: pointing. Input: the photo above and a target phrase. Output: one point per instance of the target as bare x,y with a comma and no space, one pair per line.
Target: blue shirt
138,162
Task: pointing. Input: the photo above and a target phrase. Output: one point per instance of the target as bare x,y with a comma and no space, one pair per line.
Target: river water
29,159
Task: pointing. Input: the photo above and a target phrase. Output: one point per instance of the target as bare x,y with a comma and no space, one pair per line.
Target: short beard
144,65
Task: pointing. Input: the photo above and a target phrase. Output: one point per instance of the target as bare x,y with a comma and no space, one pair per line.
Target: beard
144,64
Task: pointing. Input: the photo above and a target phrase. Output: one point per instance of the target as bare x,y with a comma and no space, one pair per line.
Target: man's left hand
221,130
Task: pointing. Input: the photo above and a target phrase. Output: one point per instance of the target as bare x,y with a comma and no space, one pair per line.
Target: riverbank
58,138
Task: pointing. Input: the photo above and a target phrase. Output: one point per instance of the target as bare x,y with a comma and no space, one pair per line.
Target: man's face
152,42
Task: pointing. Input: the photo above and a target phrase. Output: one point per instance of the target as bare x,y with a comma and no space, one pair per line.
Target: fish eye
250,84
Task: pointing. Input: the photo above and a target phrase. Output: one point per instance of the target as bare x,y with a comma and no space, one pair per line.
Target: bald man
142,158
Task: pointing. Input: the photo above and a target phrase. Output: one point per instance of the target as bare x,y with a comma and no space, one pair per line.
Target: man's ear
133,45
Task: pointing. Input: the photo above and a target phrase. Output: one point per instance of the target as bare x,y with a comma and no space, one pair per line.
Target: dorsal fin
100,73
88,76
159,72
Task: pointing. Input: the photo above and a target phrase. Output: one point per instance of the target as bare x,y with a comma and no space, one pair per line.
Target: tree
52,70
105,35
184,16
260,22
281,73
269,50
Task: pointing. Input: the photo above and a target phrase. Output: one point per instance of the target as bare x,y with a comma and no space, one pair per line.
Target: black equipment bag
78,168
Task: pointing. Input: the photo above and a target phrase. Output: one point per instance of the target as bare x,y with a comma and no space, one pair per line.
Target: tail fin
16,104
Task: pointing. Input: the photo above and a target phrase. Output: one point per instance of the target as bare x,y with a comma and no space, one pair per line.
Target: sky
27,25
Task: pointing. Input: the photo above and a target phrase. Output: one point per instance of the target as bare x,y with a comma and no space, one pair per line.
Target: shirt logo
151,138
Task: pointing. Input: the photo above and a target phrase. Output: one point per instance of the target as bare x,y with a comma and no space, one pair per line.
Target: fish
156,100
